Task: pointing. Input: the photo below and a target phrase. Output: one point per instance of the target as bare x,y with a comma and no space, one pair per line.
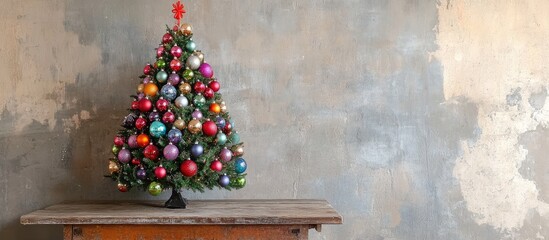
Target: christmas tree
178,133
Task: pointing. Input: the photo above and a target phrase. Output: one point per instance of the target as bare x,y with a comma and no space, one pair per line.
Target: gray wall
415,119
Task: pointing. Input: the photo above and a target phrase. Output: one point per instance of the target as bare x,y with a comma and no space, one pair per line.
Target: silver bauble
181,101
193,62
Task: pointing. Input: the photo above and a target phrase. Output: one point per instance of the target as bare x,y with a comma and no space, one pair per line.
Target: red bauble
216,166
140,123
160,172
228,128
151,152
208,93
168,117
175,65
188,168
136,161
119,141
122,187
162,104
214,85
199,87
147,69
209,128
145,105
143,140
160,51
135,105
167,38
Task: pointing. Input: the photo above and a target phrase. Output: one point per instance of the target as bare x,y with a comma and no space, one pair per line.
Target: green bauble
238,182
155,188
221,138
235,138
188,74
115,149
191,46
161,63
162,142
199,100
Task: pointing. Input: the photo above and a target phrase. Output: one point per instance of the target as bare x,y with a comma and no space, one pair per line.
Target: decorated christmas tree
178,133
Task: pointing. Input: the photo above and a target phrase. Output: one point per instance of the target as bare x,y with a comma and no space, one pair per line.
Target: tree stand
176,200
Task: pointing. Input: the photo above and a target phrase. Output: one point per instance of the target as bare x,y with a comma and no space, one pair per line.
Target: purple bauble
141,174
147,79
206,70
132,141
171,152
154,116
140,96
197,150
220,122
225,155
124,156
174,79
197,114
224,180
175,135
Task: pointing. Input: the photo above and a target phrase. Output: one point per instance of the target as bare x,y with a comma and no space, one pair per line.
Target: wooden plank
67,232
309,212
203,232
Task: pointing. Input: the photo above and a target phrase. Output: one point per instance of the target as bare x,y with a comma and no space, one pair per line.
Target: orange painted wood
189,232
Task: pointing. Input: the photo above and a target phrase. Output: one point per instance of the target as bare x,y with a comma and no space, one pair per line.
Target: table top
283,211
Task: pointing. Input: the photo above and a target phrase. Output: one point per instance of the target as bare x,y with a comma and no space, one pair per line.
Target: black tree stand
176,200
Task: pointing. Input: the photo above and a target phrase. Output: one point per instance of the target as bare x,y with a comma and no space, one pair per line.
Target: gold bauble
185,88
186,29
200,55
113,167
238,150
194,126
140,87
223,107
179,124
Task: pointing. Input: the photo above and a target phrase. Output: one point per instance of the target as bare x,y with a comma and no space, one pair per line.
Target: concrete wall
415,119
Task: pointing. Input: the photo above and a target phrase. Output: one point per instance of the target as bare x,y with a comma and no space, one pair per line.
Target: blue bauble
168,92
175,135
191,46
141,174
162,76
154,116
224,180
240,165
157,129
232,124
221,138
220,122
197,150
235,138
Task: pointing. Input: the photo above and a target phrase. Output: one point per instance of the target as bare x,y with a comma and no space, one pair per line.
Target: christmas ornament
197,150
221,138
151,152
193,62
240,165
162,76
143,140
235,138
147,69
175,65
154,116
191,46
124,155
238,150
199,87
209,128
239,182
194,126
119,141
225,155
220,122
186,29
188,168
179,124
206,70
170,152
174,79
160,63
175,135
129,121
185,88
215,108
228,128
145,105
135,105
160,172
168,92
214,85
136,161
181,101
147,79
178,11
140,123
168,117
200,55
140,87
232,123
208,93
176,51
157,129
155,188
115,149
224,180
199,100
160,51
113,167
162,104
216,166
122,187
141,173
132,141
197,114
188,74
167,38
150,89
223,107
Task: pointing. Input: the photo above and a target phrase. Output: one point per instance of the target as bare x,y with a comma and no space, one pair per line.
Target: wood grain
199,212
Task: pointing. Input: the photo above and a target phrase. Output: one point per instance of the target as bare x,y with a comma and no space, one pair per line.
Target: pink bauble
206,70
160,51
176,51
160,172
171,152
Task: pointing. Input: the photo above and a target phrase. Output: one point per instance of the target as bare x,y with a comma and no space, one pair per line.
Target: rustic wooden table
203,219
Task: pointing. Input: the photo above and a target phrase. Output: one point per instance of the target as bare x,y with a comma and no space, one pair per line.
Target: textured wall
415,119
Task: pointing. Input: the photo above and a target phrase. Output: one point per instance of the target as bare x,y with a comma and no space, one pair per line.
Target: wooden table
203,219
